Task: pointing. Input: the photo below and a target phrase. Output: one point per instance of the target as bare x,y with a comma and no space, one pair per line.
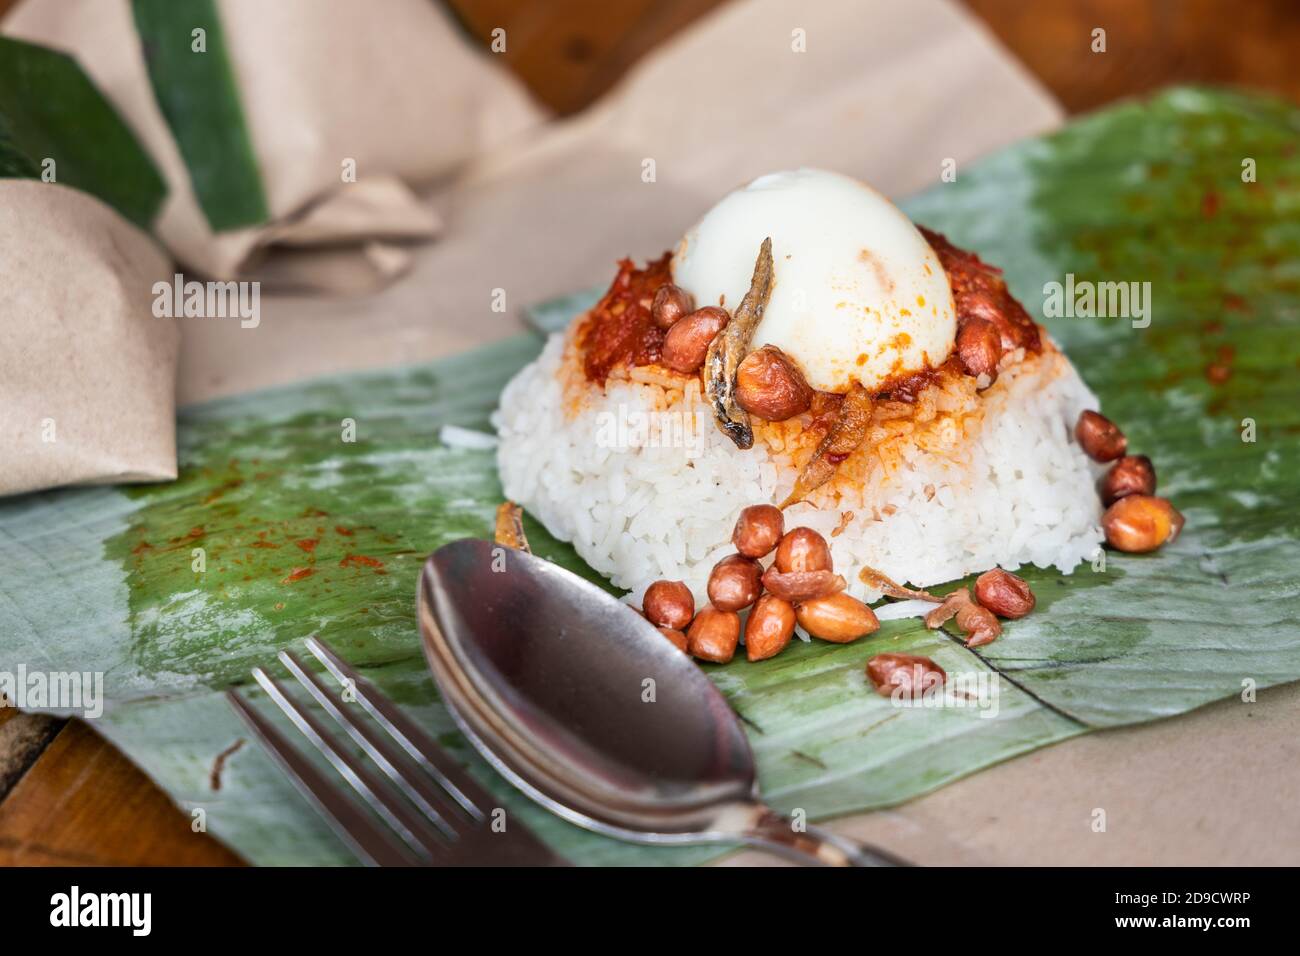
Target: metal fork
433,813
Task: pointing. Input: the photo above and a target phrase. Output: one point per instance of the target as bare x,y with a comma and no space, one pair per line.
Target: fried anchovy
879,582
848,431
730,346
510,527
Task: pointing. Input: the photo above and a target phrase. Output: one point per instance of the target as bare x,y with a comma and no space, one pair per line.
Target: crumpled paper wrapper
87,373
388,83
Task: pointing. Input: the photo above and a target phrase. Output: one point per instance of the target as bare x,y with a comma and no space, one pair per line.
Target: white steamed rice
1012,487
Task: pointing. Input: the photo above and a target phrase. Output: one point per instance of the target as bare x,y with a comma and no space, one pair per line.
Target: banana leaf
303,531
197,94
50,110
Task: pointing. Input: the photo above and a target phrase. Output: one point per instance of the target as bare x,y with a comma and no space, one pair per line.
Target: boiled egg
858,294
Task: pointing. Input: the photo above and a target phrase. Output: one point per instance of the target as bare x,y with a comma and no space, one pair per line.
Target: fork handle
811,845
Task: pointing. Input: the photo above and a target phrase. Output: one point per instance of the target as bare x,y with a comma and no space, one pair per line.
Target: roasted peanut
687,342
1005,594
670,304
1130,475
770,386
908,675
1099,437
758,530
802,585
976,621
1140,523
986,305
803,549
677,637
979,346
668,604
948,608
836,617
769,628
713,635
978,624
735,583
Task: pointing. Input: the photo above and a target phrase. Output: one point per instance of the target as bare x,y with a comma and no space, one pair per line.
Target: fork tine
368,841
453,778
395,766
382,798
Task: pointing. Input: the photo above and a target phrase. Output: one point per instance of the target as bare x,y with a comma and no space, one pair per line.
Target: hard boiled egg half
858,294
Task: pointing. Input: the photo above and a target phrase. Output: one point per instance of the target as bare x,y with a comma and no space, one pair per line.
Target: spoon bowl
581,703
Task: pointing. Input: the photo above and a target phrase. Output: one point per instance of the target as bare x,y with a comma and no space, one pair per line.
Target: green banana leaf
14,163
303,531
198,96
50,110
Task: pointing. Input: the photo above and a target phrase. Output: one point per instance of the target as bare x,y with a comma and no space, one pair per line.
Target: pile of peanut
800,586
1135,520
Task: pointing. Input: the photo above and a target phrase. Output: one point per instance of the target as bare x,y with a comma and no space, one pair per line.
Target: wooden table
68,797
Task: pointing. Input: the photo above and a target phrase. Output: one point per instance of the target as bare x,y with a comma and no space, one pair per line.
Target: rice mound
645,487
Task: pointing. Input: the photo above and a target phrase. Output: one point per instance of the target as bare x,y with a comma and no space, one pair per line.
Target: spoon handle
809,844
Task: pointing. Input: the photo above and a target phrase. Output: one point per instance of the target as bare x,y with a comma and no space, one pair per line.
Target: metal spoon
580,703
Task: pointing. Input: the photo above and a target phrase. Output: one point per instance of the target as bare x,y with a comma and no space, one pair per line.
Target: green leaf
103,579
14,163
198,96
49,110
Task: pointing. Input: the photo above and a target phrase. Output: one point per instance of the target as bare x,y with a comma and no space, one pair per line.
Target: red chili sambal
620,330
979,291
